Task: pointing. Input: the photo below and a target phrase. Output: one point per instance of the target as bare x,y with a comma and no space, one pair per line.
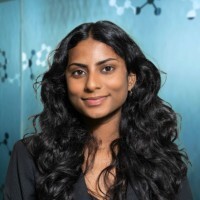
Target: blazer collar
80,191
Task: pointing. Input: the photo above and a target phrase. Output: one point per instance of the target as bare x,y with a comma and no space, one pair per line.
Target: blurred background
168,31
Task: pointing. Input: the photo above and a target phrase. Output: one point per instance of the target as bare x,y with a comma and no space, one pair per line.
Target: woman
105,133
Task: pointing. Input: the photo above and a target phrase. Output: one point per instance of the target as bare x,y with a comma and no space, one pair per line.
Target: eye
108,69
78,73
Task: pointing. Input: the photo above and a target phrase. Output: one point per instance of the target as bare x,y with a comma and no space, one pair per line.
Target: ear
131,81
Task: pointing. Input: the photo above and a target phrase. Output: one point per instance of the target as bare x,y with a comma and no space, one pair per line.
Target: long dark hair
147,158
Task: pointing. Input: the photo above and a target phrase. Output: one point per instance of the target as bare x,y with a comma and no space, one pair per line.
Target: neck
105,130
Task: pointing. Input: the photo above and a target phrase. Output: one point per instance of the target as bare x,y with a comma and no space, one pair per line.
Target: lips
94,101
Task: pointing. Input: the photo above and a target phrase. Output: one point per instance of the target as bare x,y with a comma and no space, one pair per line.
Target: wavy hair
147,158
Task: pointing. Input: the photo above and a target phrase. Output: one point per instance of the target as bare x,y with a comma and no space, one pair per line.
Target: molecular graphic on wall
28,63
5,142
136,10
42,55
157,10
120,9
195,7
3,66
15,78
41,59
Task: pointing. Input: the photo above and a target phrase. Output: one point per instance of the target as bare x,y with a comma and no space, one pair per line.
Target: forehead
92,49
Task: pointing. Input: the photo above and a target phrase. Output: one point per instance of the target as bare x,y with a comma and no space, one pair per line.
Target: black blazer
22,173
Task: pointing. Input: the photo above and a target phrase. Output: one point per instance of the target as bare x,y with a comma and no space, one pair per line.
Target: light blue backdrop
30,29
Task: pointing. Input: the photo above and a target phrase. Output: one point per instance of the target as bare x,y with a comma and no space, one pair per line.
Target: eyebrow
98,63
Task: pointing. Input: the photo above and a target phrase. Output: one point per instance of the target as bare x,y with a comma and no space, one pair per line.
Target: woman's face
97,79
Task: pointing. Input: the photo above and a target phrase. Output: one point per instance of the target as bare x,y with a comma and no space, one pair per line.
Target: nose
92,82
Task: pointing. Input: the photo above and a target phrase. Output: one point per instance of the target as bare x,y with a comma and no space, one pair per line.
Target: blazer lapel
80,190
130,193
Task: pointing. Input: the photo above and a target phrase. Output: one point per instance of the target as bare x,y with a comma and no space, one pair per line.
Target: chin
102,115
95,116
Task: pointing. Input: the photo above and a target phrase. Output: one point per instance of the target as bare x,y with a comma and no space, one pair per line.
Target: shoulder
20,151
22,163
21,175
21,159
20,147
185,190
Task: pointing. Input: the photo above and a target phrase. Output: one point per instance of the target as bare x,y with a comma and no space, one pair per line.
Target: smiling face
97,79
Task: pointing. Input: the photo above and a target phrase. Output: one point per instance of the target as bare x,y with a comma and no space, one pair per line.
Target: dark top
22,173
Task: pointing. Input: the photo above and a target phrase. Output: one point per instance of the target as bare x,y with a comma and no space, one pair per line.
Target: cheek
118,84
73,96
73,90
73,87
119,88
